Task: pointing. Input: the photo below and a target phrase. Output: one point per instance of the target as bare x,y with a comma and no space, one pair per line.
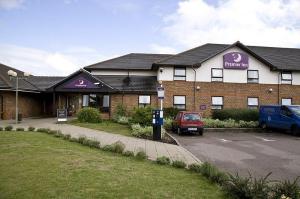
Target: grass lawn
36,165
106,125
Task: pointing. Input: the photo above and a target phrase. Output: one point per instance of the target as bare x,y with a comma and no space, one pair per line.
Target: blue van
286,117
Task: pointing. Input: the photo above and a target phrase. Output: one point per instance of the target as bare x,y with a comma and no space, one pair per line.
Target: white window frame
85,100
285,99
217,78
143,102
251,105
179,77
252,79
180,106
285,80
217,105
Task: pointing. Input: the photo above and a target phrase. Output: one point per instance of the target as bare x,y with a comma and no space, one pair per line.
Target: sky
57,37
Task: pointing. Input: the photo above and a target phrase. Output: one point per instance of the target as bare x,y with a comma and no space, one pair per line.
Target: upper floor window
286,77
253,102
216,74
252,76
216,102
286,101
179,102
179,73
144,100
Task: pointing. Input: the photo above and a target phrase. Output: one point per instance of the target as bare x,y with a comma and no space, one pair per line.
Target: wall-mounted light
160,82
270,90
161,70
198,88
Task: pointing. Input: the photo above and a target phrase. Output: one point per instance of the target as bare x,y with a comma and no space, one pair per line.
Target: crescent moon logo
236,57
80,81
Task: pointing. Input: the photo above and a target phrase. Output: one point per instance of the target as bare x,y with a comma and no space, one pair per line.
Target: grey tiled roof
44,82
131,83
133,61
280,58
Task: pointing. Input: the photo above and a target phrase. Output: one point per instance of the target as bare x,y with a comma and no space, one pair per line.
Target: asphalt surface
258,153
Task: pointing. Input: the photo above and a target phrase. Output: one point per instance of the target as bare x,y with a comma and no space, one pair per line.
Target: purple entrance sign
80,82
236,60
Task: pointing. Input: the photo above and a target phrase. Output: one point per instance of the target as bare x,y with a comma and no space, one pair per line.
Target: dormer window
286,77
179,73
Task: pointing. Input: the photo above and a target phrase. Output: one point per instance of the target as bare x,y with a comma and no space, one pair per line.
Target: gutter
25,91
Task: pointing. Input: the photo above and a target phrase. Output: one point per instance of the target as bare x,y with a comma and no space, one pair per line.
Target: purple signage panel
202,107
80,82
236,60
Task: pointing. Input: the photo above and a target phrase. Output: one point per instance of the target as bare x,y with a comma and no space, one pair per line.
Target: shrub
89,114
108,148
195,167
31,128
1,128
260,187
142,116
141,155
93,143
81,139
170,112
230,123
122,120
236,114
163,160
213,173
120,110
287,188
20,129
128,153
67,137
168,123
57,133
118,147
142,132
8,128
43,130
178,164
72,139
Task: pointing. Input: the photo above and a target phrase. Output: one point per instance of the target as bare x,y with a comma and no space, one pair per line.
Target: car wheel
178,131
263,125
201,132
295,130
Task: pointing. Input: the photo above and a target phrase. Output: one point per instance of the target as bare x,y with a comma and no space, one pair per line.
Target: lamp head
12,73
26,74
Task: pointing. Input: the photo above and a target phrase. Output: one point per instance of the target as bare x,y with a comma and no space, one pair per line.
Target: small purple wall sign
236,60
202,107
80,82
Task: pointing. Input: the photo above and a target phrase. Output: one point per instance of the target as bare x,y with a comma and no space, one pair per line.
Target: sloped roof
132,61
44,82
279,58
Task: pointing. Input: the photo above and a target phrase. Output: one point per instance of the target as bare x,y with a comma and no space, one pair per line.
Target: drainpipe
194,88
278,88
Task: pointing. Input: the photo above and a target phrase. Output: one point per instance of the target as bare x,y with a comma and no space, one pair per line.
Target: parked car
190,122
280,117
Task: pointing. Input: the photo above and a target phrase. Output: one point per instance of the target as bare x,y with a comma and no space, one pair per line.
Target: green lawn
106,125
36,165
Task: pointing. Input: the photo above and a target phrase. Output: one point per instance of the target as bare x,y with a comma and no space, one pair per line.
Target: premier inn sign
236,60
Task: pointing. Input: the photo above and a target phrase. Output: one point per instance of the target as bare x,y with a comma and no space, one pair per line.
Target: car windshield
191,117
295,109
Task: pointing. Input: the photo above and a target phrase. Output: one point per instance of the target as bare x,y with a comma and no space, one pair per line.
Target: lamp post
13,75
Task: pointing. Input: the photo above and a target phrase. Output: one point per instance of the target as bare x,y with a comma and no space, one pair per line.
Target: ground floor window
144,100
253,102
179,102
99,101
286,101
216,102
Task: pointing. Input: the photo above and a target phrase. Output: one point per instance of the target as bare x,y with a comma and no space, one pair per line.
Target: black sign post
62,115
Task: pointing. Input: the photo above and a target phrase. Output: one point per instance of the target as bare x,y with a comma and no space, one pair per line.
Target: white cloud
156,48
11,4
41,62
255,22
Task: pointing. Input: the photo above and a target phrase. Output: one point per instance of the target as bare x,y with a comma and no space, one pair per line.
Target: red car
187,122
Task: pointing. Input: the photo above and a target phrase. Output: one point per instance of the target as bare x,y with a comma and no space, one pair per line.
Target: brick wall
235,95
30,104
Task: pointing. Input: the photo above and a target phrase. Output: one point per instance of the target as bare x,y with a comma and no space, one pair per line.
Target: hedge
236,114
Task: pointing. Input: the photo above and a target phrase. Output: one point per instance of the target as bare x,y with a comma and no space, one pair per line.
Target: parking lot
259,153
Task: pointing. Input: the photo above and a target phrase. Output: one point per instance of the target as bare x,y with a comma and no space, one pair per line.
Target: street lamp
13,75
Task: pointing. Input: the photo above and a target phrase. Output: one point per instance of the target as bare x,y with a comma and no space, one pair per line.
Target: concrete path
153,149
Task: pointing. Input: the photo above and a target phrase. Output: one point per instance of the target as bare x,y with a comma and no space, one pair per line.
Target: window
286,77
105,101
217,103
216,74
144,100
85,100
101,102
179,73
286,101
252,76
252,102
179,102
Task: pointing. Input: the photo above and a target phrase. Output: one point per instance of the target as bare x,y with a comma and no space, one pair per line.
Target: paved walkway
153,149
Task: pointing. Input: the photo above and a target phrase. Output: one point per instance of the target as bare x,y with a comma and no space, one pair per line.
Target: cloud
41,62
156,48
11,4
255,22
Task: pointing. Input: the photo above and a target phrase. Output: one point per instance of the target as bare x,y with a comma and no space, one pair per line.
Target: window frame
248,78
252,106
179,76
174,105
213,78
285,98
286,81
213,106
144,104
